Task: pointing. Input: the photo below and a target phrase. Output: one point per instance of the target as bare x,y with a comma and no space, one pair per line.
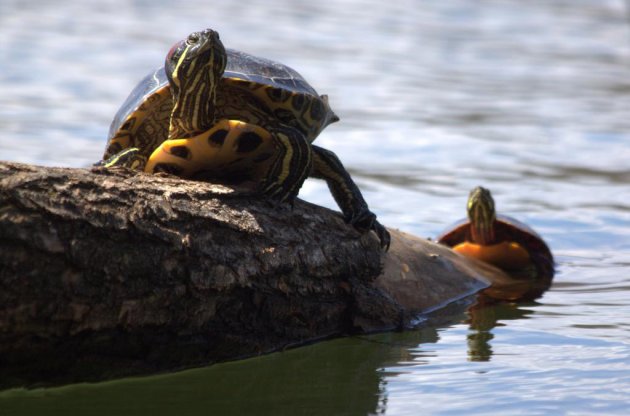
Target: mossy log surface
107,273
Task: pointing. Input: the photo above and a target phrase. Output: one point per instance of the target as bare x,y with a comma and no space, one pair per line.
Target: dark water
530,99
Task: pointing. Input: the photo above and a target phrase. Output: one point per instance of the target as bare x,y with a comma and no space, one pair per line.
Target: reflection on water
530,99
482,320
483,365
346,372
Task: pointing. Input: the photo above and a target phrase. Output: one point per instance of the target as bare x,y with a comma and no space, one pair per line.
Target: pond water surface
530,99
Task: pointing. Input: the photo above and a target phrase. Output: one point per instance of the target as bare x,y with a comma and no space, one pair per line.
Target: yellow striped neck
196,67
481,213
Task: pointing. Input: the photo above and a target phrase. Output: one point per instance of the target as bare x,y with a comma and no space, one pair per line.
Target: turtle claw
366,221
383,235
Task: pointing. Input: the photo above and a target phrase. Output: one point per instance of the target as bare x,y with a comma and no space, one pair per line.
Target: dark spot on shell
180,151
276,94
168,168
317,110
217,138
298,102
128,124
284,115
248,142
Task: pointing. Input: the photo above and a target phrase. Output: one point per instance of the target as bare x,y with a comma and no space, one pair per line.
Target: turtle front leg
130,158
291,165
327,166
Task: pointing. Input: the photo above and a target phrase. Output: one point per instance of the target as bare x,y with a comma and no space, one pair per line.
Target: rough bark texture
106,273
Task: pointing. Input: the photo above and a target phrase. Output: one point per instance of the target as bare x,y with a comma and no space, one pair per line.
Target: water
530,99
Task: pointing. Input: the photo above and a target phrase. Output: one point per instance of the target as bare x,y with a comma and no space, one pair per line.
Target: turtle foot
366,221
130,158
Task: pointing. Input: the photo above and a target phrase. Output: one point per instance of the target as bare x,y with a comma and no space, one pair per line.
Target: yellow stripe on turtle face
175,75
507,255
193,109
175,128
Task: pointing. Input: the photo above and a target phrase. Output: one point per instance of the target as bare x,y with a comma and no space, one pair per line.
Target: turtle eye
192,38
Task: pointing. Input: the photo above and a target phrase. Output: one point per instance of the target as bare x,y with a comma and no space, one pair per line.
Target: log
108,272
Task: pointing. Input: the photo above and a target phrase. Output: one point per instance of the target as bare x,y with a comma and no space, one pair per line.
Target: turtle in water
498,239
212,113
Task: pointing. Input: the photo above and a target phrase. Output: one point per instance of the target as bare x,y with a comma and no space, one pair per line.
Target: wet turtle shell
506,229
252,89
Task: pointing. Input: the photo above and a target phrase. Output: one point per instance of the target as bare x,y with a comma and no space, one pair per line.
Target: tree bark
106,273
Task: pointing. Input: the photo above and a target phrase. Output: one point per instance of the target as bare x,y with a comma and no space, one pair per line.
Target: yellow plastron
506,255
225,147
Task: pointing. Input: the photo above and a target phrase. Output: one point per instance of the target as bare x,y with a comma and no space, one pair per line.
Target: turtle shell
506,229
253,90
147,87
245,67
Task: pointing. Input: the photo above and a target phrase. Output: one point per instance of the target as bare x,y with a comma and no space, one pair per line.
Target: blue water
530,99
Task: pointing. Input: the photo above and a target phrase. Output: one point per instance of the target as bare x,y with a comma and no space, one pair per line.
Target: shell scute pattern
256,122
298,101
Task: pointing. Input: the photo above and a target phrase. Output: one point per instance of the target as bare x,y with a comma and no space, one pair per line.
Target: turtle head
482,215
194,67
